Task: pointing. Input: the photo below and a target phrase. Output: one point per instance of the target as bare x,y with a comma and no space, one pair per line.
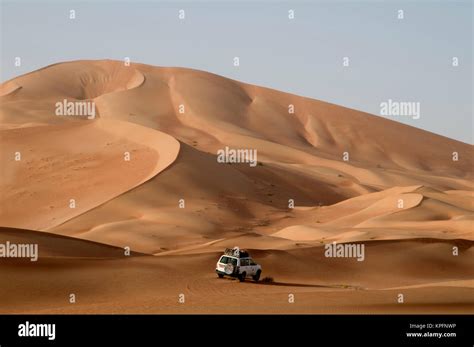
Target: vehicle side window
244,262
224,260
233,261
252,262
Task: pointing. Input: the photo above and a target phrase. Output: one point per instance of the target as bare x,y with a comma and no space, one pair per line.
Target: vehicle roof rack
237,252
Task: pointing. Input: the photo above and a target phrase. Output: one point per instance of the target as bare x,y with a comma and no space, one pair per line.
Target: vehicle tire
242,276
220,275
256,278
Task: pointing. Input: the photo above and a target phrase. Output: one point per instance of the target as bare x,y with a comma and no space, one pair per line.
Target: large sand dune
80,161
175,202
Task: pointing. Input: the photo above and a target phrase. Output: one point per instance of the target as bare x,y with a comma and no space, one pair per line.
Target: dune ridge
216,112
57,165
325,174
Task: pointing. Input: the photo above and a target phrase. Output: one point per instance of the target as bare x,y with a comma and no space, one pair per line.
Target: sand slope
399,192
82,160
58,246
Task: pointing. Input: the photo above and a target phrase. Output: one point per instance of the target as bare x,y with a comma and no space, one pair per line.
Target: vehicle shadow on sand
304,285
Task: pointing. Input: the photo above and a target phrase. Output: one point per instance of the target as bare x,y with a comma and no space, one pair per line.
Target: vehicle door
244,266
252,267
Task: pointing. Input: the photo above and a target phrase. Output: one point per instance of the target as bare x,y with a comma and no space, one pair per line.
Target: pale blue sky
402,60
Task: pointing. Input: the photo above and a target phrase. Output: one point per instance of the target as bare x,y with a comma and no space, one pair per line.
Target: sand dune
415,211
58,246
9,88
83,161
69,80
351,176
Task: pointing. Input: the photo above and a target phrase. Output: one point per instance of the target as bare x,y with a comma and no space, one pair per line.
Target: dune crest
144,174
8,88
96,83
81,165
300,154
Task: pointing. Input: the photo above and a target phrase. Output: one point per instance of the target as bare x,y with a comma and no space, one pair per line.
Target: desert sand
353,178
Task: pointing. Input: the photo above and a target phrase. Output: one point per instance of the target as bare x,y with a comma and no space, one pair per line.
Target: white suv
238,263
